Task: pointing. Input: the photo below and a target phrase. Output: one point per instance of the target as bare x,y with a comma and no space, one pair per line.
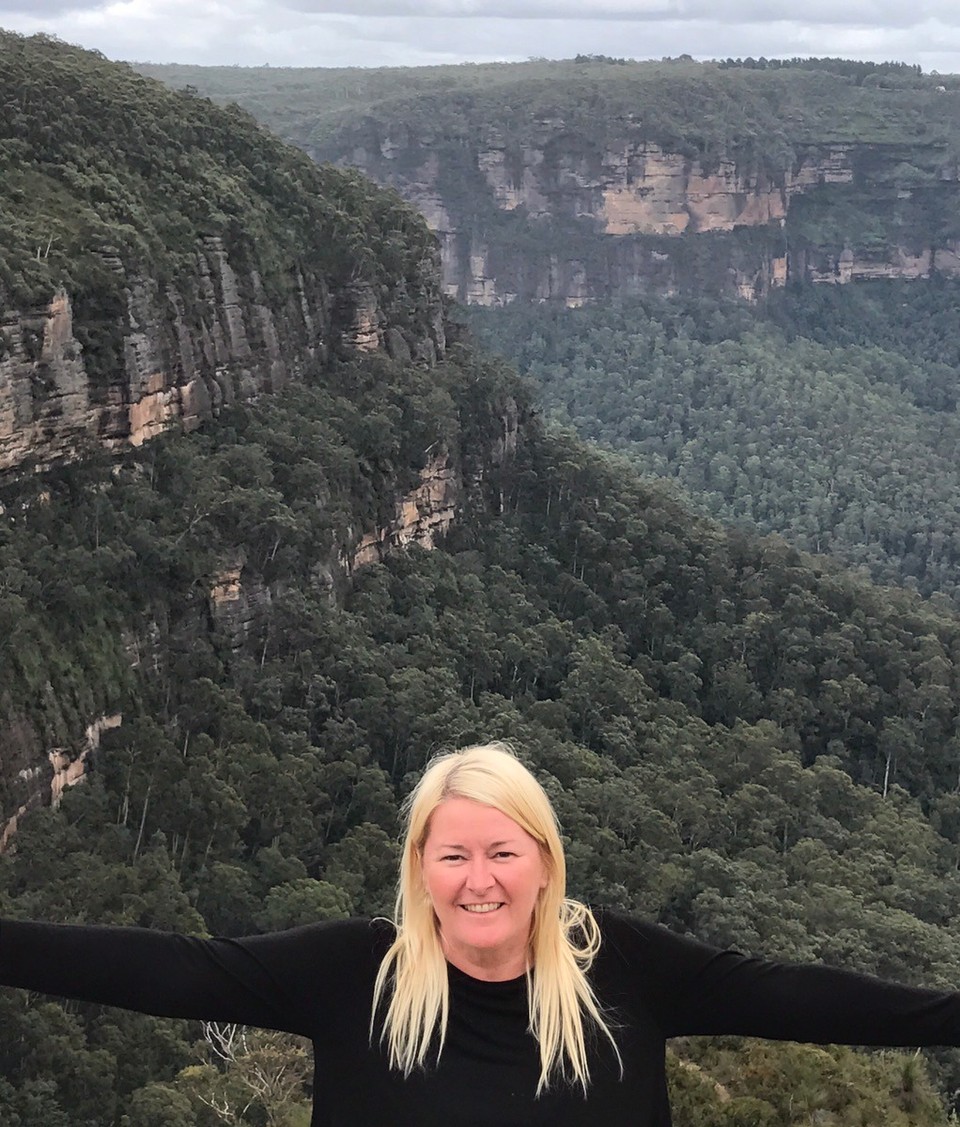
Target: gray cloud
512,38
854,13
859,13
38,9
414,32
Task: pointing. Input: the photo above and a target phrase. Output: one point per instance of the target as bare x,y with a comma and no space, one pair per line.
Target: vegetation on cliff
110,176
701,109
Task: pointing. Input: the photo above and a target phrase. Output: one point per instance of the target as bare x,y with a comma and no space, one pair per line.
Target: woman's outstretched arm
283,980
699,989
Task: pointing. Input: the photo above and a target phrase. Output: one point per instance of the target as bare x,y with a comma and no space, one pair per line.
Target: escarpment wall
179,356
565,218
174,356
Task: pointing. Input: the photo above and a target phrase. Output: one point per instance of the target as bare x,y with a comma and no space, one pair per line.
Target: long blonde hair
564,937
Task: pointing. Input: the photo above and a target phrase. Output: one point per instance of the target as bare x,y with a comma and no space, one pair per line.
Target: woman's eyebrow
492,845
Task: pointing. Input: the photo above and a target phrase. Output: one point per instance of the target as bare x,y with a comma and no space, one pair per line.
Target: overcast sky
414,32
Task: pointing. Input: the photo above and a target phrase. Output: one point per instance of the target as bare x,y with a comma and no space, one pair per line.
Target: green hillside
712,715
97,158
700,108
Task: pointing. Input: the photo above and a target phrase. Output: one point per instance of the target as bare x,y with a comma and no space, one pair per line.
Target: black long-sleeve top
317,981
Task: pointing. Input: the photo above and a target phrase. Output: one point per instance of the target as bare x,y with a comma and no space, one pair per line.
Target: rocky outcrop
180,357
422,516
237,602
578,221
647,191
641,189
38,784
69,769
44,391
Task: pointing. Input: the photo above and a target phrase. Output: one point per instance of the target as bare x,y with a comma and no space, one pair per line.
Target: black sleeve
288,980
694,988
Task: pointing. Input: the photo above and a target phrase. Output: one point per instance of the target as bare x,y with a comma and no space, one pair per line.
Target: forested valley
827,414
743,740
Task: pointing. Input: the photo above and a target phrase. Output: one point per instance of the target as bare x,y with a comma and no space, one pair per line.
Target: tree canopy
828,414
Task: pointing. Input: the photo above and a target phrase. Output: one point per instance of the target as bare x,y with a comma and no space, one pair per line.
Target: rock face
37,786
565,219
179,360
422,516
43,386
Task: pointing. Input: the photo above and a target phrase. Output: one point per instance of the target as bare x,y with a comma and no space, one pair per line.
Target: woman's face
483,874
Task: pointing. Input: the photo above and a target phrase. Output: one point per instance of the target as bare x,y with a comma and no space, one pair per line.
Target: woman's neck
487,965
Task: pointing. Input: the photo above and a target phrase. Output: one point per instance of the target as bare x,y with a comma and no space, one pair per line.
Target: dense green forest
705,109
828,414
741,740
100,163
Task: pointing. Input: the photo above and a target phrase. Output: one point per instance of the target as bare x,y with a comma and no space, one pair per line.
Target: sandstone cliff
568,219
193,262
179,364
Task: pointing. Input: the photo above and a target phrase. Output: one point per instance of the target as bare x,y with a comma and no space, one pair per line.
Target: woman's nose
480,877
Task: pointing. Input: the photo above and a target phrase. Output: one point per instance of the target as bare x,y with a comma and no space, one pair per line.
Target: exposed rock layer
68,767
422,516
180,362
579,222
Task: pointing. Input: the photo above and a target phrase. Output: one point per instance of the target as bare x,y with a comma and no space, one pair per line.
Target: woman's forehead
461,821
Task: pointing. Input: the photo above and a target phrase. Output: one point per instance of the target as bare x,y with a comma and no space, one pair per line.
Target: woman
493,999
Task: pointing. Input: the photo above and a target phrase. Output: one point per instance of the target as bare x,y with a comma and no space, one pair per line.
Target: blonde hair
564,936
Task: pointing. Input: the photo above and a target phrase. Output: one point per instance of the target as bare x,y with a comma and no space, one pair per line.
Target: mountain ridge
192,262
583,180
